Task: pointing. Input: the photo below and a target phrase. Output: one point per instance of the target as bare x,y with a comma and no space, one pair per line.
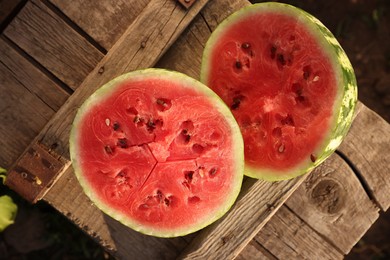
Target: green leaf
3,175
8,211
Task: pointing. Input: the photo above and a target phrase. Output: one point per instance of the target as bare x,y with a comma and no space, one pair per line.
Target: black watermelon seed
159,194
281,59
150,125
313,158
115,126
288,120
186,135
273,52
245,45
188,175
238,64
212,172
122,142
306,72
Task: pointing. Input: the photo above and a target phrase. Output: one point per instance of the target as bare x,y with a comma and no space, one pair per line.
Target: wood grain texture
54,44
367,147
227,237
109,20
28,100
333,202
286,236
254,251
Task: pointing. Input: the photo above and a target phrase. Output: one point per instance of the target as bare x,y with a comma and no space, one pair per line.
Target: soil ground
362,28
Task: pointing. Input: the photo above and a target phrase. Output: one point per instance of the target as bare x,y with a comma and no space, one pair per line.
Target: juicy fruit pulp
158,151
281,84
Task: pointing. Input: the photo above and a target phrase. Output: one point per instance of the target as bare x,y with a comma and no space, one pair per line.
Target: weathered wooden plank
28,100
333,202
257,203
286,236
186,53
54,44
34,80
367,147
110,20
254,251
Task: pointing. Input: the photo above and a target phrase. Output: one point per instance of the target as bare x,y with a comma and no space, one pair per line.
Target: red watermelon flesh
159,152
280,78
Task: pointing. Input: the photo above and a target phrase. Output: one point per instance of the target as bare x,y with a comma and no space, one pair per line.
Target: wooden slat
333,202
286,236
367,146
109,20
32,78
54,44
254,251
151,34
257,203
28,100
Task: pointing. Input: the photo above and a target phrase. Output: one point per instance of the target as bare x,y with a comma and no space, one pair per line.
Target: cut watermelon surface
288,83
158,151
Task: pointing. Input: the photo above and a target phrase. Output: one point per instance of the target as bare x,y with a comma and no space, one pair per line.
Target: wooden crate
54,54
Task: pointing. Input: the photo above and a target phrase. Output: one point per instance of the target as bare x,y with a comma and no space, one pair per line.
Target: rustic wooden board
109,20
254,251
333,202
257,203
28,100
286,236
367,146
43,35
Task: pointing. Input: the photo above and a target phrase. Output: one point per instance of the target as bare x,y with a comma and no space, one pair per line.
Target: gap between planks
75,26
38,65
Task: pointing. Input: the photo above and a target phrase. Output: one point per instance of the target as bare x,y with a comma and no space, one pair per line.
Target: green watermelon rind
185,81
346,97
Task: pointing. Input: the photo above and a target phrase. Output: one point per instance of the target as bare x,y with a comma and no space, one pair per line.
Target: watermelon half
159,152
288,83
